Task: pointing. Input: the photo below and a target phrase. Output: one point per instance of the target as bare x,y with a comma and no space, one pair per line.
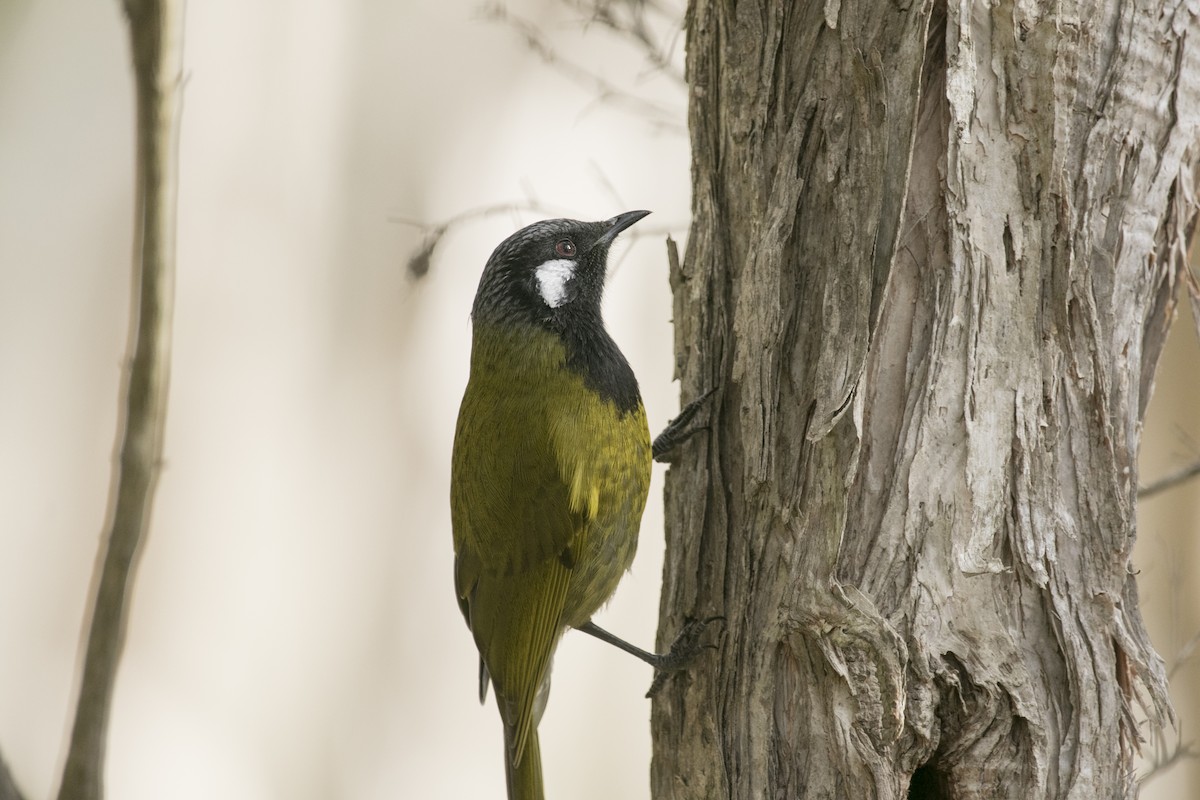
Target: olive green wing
508,500
515,622
513,527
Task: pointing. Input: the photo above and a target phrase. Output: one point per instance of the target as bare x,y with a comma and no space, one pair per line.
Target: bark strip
930,271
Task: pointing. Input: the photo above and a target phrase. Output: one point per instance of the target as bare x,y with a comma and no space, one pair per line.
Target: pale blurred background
294,633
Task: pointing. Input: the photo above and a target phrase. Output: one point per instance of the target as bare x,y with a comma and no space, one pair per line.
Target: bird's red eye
565,248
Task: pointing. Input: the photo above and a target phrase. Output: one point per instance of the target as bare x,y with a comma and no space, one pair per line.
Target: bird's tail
525,778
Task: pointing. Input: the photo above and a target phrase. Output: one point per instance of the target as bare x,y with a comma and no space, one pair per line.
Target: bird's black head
550,273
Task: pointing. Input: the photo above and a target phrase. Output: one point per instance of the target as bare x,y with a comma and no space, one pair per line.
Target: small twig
433,232
156,42
1170,481
637,31
1163,761
1164,757
420,261
601,89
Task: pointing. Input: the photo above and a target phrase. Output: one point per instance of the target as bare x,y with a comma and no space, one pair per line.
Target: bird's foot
684,651
680,429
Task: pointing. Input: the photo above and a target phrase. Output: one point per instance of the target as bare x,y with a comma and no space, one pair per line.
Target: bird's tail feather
525,778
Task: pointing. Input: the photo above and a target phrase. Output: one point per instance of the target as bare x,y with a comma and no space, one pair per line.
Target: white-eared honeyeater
550,471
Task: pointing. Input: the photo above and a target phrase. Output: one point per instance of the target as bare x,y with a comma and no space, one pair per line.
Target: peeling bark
932,263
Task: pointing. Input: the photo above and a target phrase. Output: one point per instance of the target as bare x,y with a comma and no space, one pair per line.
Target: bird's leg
680,429
683,651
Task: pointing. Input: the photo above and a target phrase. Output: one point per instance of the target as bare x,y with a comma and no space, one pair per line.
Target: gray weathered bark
931,267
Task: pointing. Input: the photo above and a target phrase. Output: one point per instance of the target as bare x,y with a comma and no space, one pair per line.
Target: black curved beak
619,223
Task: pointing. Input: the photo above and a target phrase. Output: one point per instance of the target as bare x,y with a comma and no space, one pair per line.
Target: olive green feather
548,488
550,470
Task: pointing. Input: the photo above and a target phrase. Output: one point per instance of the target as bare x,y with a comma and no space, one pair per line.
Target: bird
550,469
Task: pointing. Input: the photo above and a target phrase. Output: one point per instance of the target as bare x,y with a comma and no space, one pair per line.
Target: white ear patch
552,278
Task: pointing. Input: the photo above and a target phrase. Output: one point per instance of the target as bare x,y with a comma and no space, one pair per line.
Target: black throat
595,357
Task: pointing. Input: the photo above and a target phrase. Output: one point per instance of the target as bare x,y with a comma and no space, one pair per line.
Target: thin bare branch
156,41
633,26
1170,481
421,260
602,90
8,786
1167,757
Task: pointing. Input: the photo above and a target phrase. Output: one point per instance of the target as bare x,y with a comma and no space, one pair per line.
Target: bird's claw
680,429
684,650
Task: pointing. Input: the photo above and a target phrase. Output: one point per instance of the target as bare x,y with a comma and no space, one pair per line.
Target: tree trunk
931,266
